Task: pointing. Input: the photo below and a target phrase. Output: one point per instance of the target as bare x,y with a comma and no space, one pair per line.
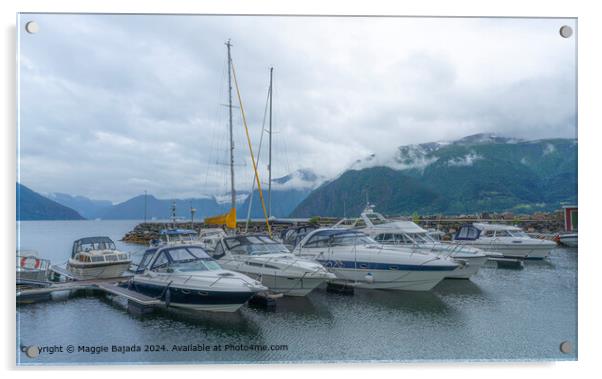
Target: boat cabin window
502,233
181,254
350,239
146,259
98,258
385,238
489,233
422,238
318,240
404,239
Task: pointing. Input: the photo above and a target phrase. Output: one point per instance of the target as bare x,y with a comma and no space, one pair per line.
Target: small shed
570,217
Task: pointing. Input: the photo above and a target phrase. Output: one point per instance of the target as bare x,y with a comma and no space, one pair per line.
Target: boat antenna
145,195
270,149
232,189
173,213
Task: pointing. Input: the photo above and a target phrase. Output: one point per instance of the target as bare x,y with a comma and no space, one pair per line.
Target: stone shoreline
546,226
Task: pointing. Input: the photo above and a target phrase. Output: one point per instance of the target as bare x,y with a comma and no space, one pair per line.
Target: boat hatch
467,233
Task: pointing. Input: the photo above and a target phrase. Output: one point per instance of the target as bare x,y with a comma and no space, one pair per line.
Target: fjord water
500,314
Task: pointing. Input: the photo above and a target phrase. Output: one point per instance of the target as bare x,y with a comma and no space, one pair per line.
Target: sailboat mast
270,150
232,189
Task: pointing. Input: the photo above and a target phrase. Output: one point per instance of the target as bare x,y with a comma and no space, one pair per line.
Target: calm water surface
499,314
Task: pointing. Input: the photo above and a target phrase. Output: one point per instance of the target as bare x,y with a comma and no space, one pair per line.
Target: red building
570,218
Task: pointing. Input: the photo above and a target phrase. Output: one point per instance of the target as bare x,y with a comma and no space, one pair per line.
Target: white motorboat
209,237
185,276
358,260
270,262
408,234
567,239
97,257
176,237
291,236
510,241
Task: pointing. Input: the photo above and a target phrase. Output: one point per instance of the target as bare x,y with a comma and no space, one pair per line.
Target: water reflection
407,301
234,323
458,287
542,264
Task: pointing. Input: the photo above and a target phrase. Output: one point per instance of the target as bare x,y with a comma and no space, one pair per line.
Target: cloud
112,105
466,160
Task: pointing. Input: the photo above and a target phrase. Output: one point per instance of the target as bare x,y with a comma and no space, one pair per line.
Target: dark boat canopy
172,254
467,232
96,242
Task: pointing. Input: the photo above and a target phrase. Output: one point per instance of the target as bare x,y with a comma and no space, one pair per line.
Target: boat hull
192,299
469,266
535,251
569,240
374,278
286,285
97,271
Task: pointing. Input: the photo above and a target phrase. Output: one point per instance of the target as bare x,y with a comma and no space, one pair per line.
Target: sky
113,105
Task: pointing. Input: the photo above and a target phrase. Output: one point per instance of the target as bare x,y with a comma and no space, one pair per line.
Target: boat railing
189,277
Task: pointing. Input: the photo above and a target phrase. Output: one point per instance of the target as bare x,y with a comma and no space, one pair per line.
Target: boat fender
369,278
167,298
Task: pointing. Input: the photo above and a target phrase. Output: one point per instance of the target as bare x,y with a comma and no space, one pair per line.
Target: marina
500,304
387,235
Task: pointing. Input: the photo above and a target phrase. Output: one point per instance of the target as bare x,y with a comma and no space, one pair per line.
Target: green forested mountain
475,174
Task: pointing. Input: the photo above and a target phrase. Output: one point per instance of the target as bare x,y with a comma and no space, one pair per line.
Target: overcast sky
111,106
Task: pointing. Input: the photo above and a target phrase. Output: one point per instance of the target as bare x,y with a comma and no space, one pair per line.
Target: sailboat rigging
269,131
229,219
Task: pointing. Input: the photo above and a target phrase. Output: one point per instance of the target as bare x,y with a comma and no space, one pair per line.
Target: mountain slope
133,209
287,192
477,173
86,207
33,206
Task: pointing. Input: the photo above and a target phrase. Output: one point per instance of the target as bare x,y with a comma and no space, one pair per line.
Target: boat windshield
97,246
198,265
518,233
351,239
254,245
422,238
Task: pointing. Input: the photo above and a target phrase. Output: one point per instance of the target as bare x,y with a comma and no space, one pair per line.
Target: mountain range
287,192
482,172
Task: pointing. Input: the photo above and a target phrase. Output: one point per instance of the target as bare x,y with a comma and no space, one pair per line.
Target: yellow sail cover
228,219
